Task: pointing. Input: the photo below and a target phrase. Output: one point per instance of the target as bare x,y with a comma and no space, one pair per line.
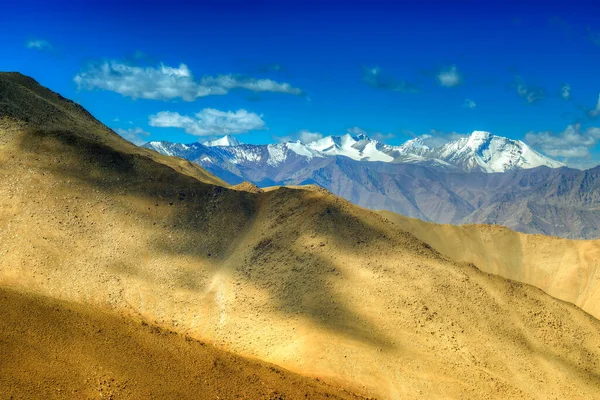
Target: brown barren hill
566,269
293,276
53,349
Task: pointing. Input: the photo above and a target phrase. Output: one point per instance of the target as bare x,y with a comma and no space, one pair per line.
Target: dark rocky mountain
562,201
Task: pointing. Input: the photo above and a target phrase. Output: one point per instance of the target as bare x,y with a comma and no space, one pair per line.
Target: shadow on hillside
210,221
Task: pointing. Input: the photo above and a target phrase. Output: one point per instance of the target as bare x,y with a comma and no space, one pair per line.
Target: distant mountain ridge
490,153
481,151
481,178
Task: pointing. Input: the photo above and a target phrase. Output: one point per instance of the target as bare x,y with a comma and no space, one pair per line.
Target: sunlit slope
57,350
293,276
566,269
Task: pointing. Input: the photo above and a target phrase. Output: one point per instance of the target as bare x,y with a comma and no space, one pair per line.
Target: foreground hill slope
292,276
24,102
53,349
566,269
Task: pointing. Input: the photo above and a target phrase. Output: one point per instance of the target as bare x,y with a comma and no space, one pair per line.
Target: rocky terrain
565,269
54,349
293,276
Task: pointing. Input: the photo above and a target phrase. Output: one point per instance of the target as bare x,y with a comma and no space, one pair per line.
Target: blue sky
270,70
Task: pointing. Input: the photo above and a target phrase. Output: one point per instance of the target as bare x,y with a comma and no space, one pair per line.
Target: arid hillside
296,277
53,349
566,269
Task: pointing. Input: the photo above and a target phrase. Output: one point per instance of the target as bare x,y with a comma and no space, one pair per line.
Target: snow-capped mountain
490,153
415,146
226,140
360,148
480,151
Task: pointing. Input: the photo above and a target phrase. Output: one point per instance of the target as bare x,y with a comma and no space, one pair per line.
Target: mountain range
480,178
480,151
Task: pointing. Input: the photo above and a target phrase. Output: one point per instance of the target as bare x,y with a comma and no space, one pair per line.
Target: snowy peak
360,147
415,146
486,152
225,141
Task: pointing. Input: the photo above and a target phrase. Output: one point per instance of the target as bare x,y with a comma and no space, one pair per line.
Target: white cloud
306,136
357,131
229,82
573,144
449,77
565,91
210,122
470,104
165,82
531,94
284,139
38,44
134,135
382,137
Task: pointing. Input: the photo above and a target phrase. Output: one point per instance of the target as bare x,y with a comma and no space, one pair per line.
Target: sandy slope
296,277
57,350
566,269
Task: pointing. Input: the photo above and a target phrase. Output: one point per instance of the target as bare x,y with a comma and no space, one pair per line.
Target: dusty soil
566,269
54,349
292,276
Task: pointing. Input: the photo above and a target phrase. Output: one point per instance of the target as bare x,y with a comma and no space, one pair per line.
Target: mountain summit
483,151
226,140
360,148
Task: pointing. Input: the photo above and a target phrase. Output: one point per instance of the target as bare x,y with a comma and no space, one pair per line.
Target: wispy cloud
565,91
134,135
595,112
531,94
449,76
436,138
470,104
573,144
307,136
38,44
210,122
382,137
376,78
164,82
284,139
